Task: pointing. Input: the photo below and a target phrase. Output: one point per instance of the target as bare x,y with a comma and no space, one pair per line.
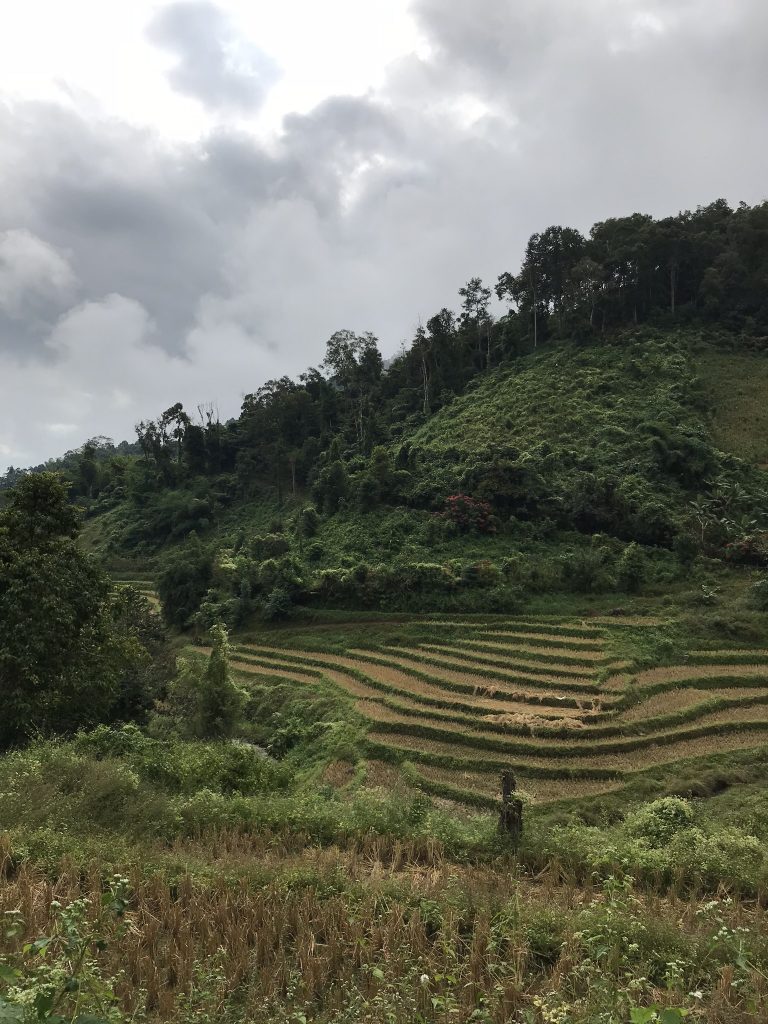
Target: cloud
31,271
104,371
157,273
213,65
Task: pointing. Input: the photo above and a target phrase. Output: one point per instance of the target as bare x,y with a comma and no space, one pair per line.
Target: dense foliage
71,653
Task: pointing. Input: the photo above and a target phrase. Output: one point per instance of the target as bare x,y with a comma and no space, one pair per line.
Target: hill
579,469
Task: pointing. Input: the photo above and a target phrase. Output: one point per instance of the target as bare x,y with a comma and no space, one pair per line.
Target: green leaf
642,1015
378,973
8,974
43,1004
672,1015
9,1013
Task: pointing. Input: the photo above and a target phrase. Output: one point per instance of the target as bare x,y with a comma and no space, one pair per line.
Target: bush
658,822
277,604
308,521
183,582
686,549
315,552
585,570
469,514
481,574
203,701
631,569
272,545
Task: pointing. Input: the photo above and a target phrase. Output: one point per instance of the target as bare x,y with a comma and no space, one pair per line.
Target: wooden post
511,811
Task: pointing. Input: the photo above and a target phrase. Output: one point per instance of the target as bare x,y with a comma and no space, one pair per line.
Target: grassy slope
589,402
736,386
558,416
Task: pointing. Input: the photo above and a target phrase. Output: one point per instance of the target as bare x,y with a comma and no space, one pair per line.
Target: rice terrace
556,701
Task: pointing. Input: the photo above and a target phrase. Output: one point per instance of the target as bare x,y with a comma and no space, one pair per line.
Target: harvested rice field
504,658
538,790
489,680
560,702
682,699
402,685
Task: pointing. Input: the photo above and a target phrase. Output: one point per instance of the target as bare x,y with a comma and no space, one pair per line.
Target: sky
195,195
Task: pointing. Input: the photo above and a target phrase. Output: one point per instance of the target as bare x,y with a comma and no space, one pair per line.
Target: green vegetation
736,388
257,708
71,653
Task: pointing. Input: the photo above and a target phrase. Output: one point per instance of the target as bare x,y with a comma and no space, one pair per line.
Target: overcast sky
195,195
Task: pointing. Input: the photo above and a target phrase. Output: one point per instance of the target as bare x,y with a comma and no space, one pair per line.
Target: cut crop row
487,784
382,745
454,670
592,753
664,749
494,655
407,678
414,687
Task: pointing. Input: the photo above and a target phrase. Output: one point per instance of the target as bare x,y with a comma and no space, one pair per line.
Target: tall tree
59,663
356,366
475,318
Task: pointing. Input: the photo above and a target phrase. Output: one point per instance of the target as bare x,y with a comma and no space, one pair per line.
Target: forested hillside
576,442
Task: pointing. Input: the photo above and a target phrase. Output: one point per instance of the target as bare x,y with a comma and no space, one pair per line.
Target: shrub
632,568
315,552
270,546
481,574
308,521
277,604
686,548
217,608
469,514
750,549
220,701
184,581
658,822
202,701
585,570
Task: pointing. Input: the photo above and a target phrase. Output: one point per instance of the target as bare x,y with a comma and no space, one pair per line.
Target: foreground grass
274,891
277,930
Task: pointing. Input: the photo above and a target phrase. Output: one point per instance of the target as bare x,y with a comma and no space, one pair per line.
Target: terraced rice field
450,710
145,587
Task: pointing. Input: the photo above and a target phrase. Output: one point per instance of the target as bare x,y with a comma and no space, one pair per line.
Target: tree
356,366
203,702
619,247
184,581
87,469
422,348
59,661
546,283
475,320
148,665
221,702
